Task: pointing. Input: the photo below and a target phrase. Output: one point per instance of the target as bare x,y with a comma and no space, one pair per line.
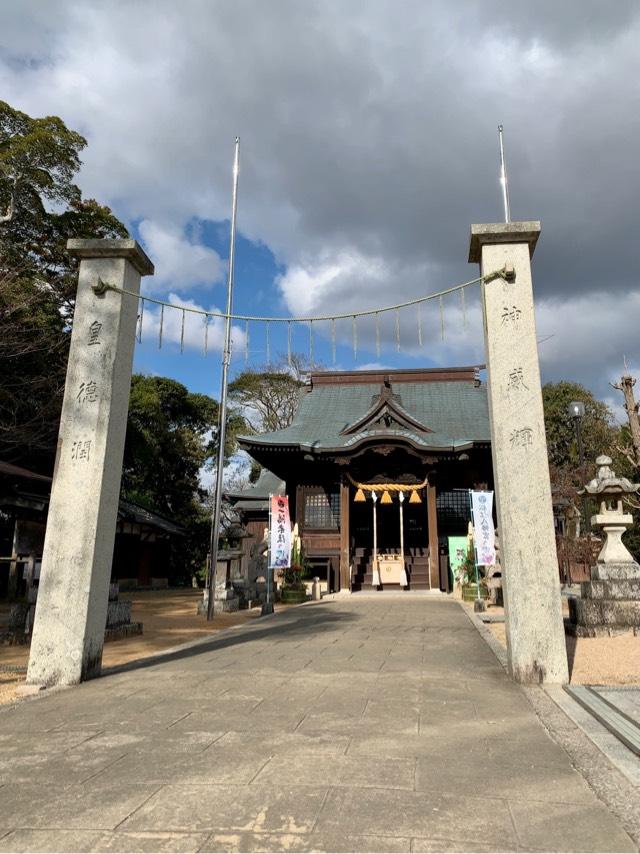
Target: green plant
468,570
292,576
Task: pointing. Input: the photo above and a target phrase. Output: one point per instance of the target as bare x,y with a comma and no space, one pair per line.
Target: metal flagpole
503,178
222,415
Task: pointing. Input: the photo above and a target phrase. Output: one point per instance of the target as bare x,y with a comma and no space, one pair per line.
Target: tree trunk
626,385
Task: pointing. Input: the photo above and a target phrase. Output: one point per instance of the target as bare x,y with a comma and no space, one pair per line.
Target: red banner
280,534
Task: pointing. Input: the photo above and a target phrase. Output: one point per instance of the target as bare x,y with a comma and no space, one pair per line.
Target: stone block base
126,630
599,631
220,606
609,603
629,570
614,589
118,613
607,612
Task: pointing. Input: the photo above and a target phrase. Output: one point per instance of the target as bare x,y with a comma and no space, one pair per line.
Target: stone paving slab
350,725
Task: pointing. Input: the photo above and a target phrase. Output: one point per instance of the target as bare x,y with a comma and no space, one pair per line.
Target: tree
171,437
38,159
268,397
598,430
168,441
630,445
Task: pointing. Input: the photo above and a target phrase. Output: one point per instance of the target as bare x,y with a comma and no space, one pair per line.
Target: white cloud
188,329
179,262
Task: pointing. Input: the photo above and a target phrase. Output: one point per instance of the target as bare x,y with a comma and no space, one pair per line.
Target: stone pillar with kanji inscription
533,612
71,612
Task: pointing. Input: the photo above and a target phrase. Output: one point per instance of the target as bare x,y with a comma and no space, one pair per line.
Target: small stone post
533,613
68,633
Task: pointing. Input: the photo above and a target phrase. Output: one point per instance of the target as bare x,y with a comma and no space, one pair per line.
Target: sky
368,147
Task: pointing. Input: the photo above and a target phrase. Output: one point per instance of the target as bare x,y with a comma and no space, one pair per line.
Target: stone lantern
610,602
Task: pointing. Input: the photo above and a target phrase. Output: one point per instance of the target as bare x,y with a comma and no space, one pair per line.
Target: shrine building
378,466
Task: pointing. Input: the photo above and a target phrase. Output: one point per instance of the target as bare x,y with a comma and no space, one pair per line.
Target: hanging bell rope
388,487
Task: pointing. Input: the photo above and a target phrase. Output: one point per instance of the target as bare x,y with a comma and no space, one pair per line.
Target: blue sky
256,292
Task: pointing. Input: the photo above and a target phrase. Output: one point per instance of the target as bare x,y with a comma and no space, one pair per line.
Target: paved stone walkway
354,725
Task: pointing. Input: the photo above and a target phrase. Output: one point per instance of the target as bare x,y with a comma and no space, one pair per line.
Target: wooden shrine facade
377,466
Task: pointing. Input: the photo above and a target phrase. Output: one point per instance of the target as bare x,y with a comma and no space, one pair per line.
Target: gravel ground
169,619
594,661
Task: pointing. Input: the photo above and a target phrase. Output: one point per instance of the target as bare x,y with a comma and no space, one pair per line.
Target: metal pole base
479,605
267,608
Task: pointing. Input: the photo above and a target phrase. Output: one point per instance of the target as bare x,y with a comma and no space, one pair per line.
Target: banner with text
483,530
280,534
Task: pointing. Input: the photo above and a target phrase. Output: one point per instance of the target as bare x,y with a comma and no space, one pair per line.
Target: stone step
414,551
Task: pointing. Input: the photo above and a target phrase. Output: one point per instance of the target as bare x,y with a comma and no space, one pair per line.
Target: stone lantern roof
606,483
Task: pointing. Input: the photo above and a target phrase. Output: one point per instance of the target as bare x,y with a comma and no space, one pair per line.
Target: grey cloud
367,129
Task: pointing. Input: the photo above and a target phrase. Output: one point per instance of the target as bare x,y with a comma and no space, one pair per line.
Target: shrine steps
416,565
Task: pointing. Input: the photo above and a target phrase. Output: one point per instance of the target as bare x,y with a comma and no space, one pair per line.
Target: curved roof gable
435,410
386,414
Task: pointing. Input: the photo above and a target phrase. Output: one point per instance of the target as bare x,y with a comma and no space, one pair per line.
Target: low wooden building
415,440
142,542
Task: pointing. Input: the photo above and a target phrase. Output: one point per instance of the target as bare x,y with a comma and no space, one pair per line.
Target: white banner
483,530
280,534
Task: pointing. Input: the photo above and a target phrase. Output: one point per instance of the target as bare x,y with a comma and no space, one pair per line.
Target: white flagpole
222,414
503,178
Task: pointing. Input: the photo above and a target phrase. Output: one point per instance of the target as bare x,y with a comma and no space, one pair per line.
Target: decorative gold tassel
415,498
386,498
359,496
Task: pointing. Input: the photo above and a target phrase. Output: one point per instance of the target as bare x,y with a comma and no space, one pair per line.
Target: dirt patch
593,661
169,619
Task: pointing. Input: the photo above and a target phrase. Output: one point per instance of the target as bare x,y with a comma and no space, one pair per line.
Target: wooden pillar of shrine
434,551
345,572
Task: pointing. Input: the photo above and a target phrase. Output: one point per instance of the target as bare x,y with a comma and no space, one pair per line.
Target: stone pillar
533,613
73,595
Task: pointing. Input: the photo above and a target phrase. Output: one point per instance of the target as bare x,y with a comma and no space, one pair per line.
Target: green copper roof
455,412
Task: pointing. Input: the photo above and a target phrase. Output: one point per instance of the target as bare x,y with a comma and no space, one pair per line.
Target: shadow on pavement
309,618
